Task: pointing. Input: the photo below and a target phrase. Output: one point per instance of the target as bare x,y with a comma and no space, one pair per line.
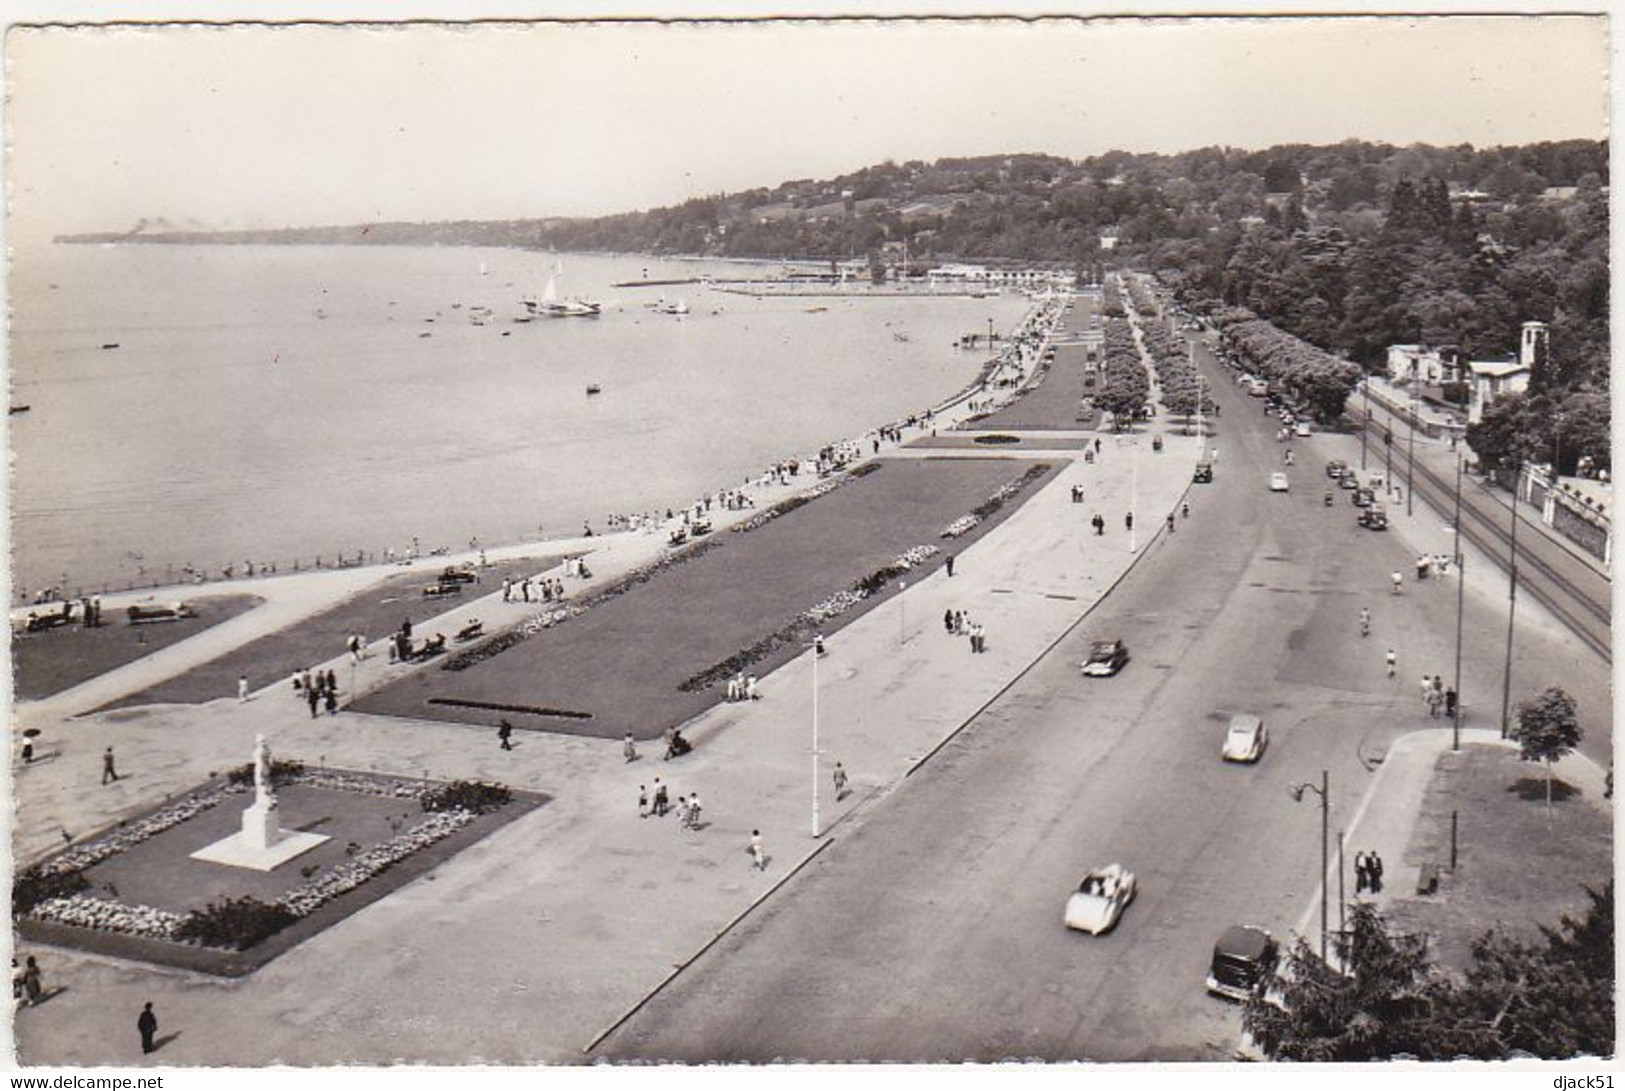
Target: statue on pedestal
264,795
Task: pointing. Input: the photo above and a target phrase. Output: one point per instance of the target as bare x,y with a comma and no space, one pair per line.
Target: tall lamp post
815,648
1365,430
1322,790
1512,609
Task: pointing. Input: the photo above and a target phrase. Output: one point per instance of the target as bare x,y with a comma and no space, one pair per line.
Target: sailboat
666,306
551,306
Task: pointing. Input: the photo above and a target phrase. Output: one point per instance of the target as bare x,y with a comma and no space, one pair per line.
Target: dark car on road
1335,468
1374,518
1204,473
1364,498
1348,480
1106,658
1243,960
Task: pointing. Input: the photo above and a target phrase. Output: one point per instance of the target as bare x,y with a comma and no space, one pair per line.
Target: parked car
1279,482
1246,739
1106,658
1204,473
1374,518
1301,427
459,574
1348,480
1335,468
1100,899
146,615
1243,960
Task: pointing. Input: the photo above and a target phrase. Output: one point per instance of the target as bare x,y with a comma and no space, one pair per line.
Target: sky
271,125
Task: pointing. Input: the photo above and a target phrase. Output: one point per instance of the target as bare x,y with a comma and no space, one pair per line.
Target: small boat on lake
594,388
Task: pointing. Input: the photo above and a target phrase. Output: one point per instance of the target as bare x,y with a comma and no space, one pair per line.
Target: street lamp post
1323,791
815,657
1366,429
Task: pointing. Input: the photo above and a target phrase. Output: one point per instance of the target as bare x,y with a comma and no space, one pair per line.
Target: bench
1427,880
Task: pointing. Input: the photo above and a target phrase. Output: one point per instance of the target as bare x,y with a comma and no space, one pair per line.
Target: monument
261,844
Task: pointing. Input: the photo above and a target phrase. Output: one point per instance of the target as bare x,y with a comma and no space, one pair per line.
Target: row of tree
1183,390
1317,378
1123,388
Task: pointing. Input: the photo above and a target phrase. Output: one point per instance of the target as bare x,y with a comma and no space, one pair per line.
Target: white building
1407,363
1490,379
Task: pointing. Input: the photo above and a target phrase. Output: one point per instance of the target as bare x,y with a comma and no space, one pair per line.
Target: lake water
272,403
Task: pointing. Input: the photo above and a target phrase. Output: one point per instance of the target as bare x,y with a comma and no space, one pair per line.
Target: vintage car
1243,960
1204,473
1106,658
1374,518
458,574
1100,899
1279,482
1245,740
1335,468
1363,498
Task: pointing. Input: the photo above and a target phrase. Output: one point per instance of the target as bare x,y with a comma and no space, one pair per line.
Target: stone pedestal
261,845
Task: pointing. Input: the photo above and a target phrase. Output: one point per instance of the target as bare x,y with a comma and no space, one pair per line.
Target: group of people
958,623
1432,564
658,805
741,688
546,590
1439,699
1367,873
27,987
319,689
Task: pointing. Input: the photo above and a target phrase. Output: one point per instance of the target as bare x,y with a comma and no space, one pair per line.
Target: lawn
274,657
49,662
158,872
1052,405
1519,865
618,668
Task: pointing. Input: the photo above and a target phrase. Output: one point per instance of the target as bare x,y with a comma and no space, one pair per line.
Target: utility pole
1366,427
1512,608
1461,593
1410,455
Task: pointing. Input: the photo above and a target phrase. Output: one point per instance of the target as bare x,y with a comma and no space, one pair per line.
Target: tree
1388,1000
1547,729
1552,1000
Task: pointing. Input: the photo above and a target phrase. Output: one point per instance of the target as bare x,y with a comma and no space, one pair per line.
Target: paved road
932,932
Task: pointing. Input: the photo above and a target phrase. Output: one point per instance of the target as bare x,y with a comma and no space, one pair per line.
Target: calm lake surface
273,403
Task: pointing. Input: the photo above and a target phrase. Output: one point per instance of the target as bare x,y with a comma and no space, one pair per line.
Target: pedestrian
297,685
1397,580
505,734
28,750
1185,510
643,802
948,622
1450,702
147,1024
406,628
950,564
1365,622
693,821
1393,662
108,772
307,679
1361,879
758,857
524,590
1373,869
332,700
1100,524
1128,521
750,689
507,588
242,687
1170,522
840,782
314,698
1422,567
734,691
682,812
1427,688
18,994
818,644
31,982
1097,445
661,805
332,682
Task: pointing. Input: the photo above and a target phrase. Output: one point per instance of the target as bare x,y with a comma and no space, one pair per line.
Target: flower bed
809,620
54,891
557,615
784,507
961,526
105,915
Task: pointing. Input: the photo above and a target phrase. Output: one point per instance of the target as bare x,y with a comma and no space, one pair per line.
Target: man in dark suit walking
147,1024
